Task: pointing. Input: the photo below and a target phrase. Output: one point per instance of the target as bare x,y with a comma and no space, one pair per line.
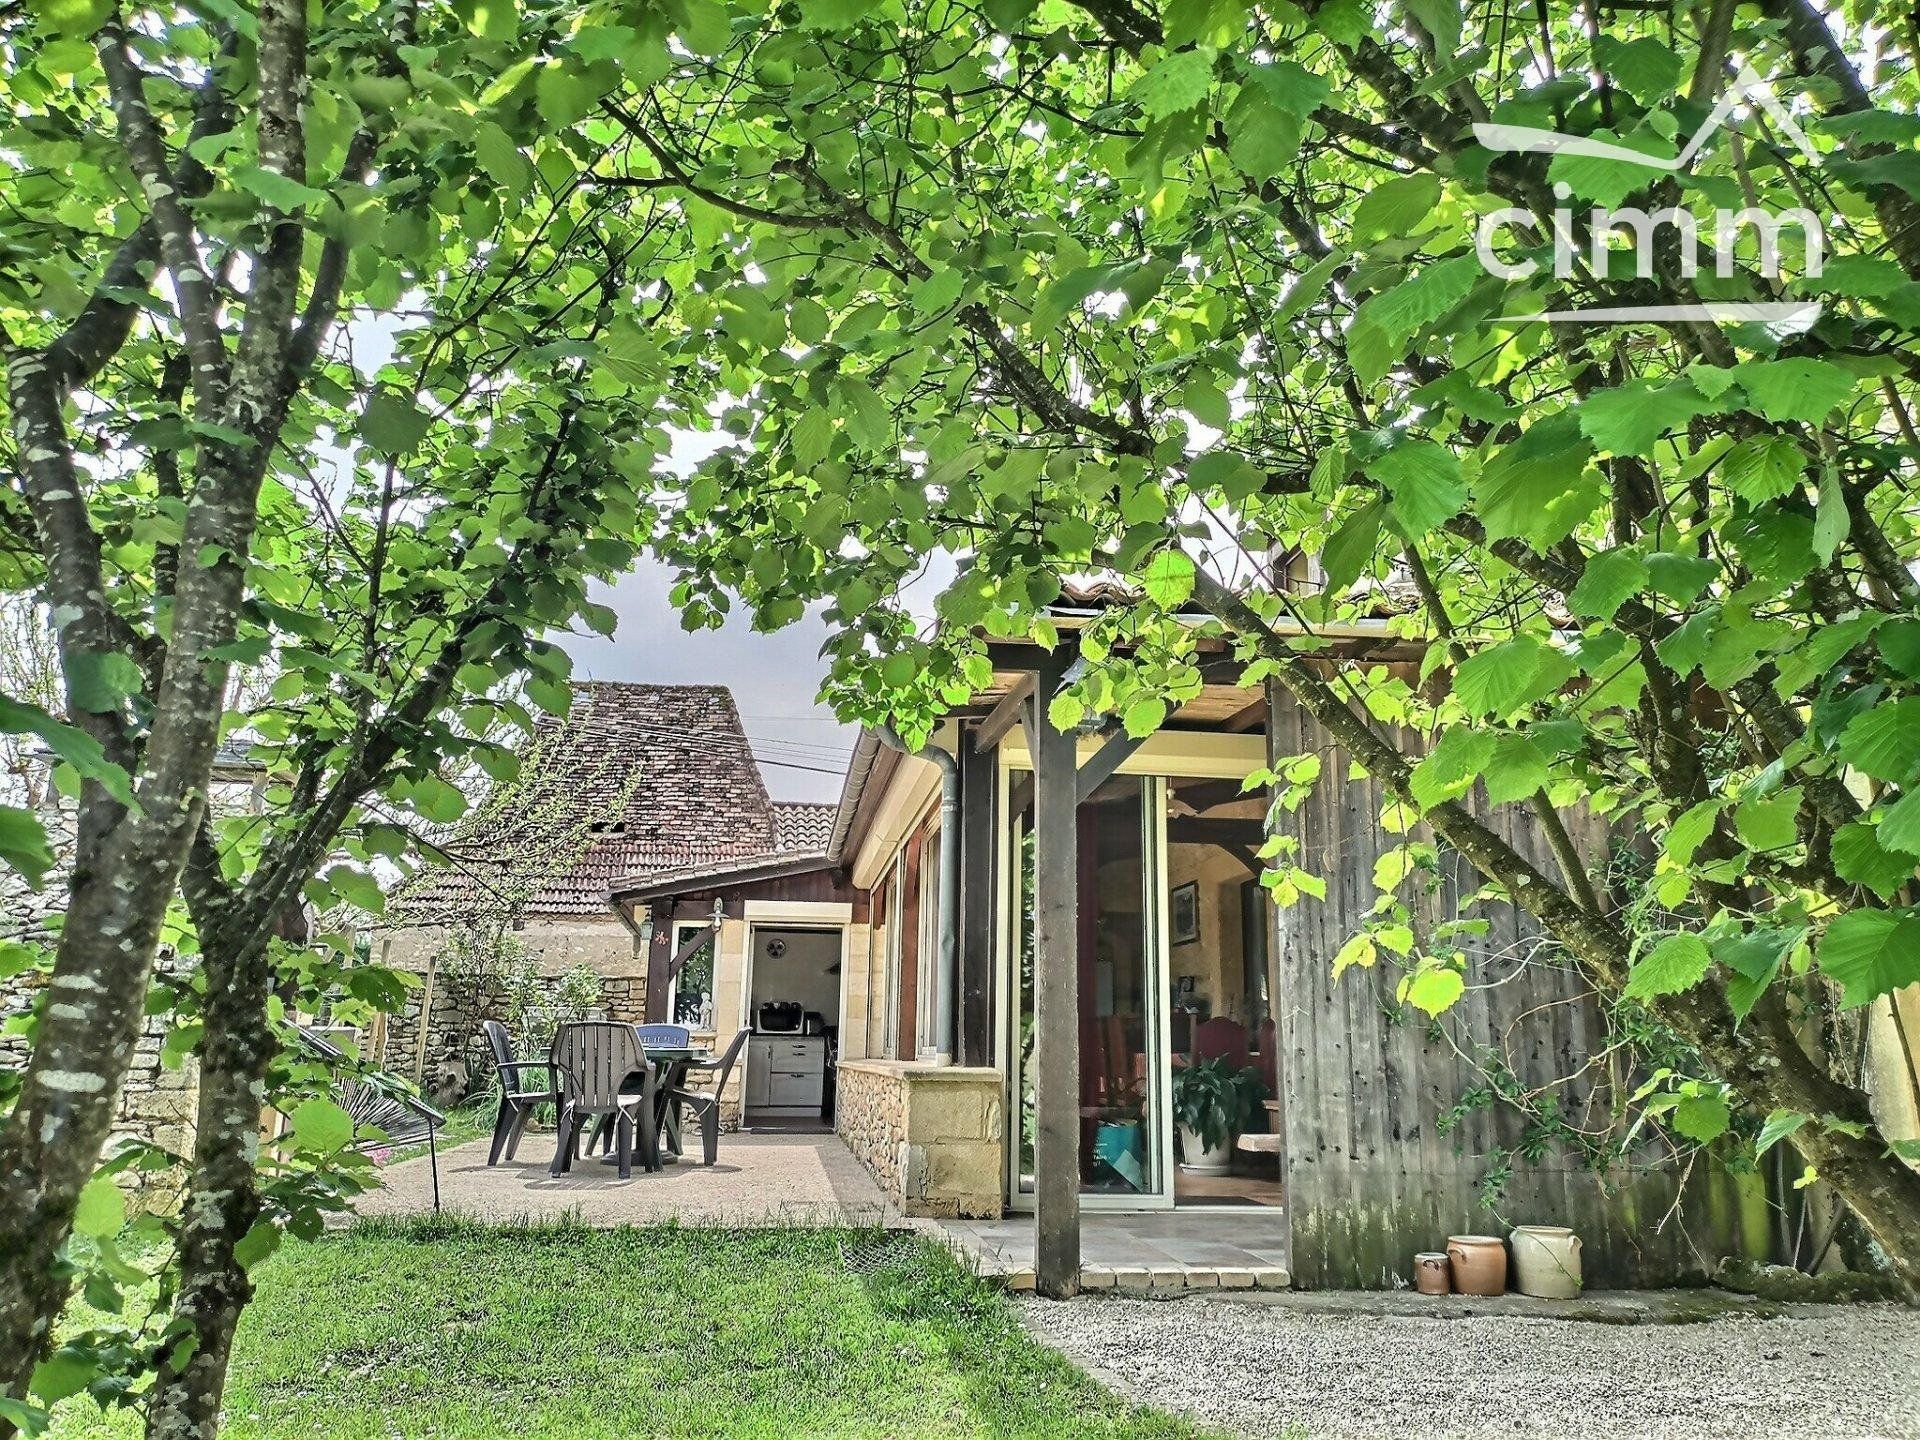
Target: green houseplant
1213,1101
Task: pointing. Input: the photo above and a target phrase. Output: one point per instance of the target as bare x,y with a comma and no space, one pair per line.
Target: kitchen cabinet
786,1074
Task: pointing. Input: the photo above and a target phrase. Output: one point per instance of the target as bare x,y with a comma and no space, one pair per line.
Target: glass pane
1221,1039
1118,1155
693,990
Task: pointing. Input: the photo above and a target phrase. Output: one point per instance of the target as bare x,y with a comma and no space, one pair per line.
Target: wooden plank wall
1370,1177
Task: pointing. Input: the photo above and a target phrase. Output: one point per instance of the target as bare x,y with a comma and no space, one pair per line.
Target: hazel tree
1182,294
321,371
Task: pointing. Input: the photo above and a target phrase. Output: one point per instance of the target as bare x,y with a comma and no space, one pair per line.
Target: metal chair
592,1061
518,1098
379,1102
705,1104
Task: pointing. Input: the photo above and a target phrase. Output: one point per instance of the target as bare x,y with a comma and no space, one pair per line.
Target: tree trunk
52,1141
223,1197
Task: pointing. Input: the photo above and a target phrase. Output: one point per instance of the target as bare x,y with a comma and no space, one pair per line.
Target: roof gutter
949,888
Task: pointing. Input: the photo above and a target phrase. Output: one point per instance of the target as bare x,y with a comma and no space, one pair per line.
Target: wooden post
978,772
1056,998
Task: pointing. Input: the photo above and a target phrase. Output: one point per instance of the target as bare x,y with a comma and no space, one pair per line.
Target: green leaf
1768,823
1169,579
1433,989
1629,419
1399,206
321,1126
1778,1126
77,18
1536,488
102,1209
1065,711
1900,824
357,888
393,424
282,193
707,30
1144,716
76,747
834,14
23,844
1516,771
1680,578
501,158
1424,480
1884,742
1763,467
1870,953
1208,404
1799,391
1703,1118
1262,138
101,683
1648,68
1179,82
1611,578
1502,678
1350,549
1678,962
1862,857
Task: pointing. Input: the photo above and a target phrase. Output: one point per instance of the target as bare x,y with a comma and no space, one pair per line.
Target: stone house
637,781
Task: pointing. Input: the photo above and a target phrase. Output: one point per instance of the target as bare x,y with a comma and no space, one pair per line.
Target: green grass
449,1328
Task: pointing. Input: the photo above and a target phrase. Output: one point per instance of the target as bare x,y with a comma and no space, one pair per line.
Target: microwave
780,1017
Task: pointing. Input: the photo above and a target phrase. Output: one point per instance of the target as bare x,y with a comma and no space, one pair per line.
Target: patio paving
1162,1250
760,1180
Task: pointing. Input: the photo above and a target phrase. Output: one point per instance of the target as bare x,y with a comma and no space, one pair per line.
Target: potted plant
1213,1101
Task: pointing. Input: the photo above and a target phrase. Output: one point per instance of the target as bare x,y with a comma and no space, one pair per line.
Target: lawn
448,1328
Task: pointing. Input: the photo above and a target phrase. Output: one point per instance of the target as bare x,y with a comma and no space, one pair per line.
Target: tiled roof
799,825
643,778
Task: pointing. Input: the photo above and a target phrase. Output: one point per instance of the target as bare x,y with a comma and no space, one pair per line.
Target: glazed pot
1478,1263
1546,1261
1197,1160
1430,1273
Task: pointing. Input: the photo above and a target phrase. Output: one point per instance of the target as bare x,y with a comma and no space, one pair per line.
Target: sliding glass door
1124,1143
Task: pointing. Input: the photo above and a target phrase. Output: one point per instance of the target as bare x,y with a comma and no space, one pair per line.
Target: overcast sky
774,679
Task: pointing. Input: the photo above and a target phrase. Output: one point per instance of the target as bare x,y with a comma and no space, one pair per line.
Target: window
690,996
896,924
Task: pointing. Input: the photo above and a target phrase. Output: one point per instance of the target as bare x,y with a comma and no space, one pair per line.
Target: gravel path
1819,1373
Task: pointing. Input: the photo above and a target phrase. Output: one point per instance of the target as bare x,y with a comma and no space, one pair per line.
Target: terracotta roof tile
659,777
799,825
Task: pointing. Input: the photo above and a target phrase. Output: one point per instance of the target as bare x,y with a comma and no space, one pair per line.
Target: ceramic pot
1546,1261
1430,1273
1198,1161
1478,1263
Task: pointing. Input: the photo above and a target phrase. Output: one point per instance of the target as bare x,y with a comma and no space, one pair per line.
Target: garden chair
592,1061
663,1037
383,1107
705,1104
518,1097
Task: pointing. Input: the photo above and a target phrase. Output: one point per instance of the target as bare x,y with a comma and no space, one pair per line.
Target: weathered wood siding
1370,1178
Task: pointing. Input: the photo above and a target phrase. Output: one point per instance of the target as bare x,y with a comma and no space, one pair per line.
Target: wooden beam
1247,717
1056,1002
1103,762
1225,832
691,948
1004,716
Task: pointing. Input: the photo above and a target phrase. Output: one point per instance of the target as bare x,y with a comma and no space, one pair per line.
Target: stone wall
157,1102
932,1135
